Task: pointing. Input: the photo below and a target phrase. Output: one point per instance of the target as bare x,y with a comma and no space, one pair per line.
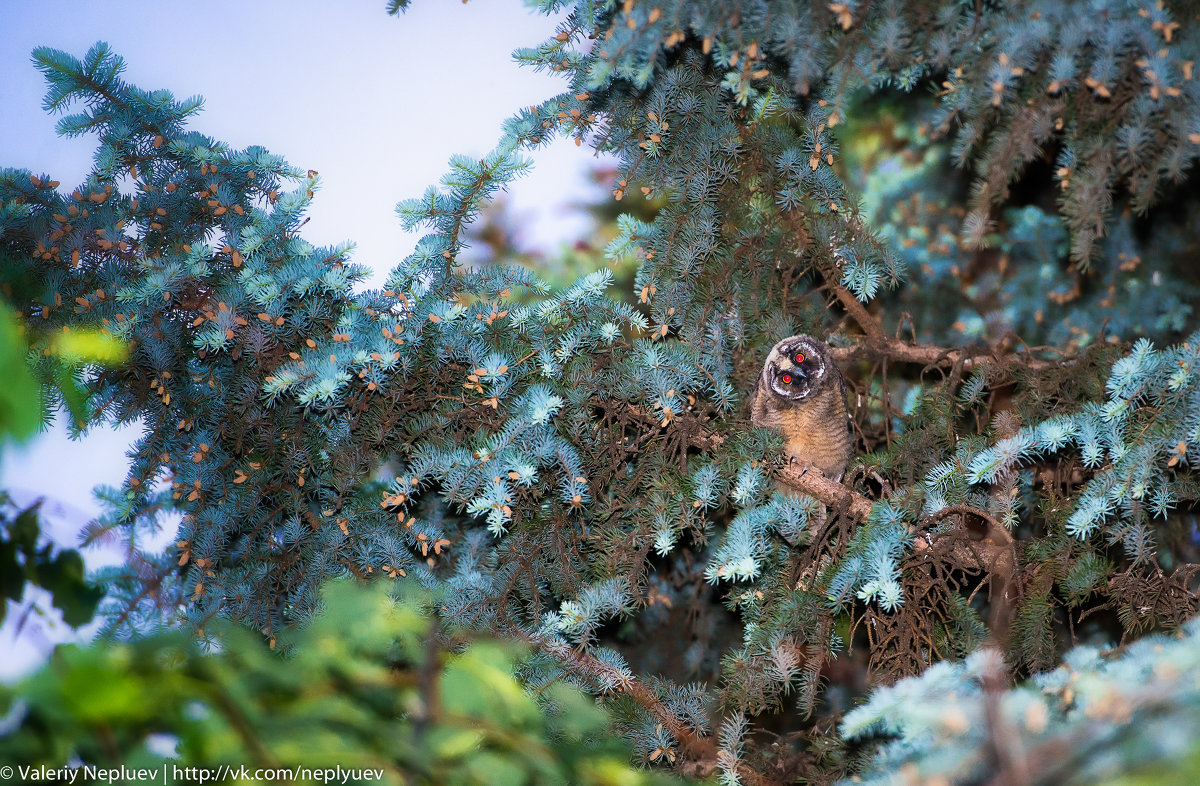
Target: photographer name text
174,773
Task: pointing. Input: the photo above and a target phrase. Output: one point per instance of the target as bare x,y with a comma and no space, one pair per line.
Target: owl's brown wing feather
756,407
846,408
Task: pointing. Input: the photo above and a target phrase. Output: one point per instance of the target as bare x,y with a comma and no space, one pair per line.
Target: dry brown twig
877,345
994,535
989,548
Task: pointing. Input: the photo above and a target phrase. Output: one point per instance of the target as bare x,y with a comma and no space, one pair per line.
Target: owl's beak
798,371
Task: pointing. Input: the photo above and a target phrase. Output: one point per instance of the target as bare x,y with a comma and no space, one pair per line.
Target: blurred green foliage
20,400
371,684
24,556
59,571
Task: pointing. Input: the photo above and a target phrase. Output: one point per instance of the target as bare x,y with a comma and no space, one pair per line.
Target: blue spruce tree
983,208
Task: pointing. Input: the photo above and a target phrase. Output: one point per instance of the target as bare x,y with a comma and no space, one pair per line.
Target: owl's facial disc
795,369
791,383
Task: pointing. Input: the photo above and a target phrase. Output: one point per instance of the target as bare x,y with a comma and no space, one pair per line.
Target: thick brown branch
832,493
884,348
857,311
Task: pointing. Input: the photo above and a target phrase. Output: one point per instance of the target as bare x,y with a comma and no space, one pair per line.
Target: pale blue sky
376,104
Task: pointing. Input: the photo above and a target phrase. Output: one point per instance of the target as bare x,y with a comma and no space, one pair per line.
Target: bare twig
993,551
998,531
696,435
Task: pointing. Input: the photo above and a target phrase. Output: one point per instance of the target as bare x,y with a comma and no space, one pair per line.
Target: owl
803,394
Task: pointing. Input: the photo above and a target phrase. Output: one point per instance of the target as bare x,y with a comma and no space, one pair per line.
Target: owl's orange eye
787,379
799,357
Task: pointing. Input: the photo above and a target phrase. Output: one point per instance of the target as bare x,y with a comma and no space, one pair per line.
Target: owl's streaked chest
816,430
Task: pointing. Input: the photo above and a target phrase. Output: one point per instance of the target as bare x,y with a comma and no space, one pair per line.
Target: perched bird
803,394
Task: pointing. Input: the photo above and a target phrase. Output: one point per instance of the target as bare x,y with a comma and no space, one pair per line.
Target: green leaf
20,397
65,578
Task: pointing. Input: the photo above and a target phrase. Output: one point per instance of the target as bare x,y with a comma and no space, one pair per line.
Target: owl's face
795,368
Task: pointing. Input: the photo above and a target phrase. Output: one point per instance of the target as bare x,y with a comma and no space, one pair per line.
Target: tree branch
700,749
832,493
997,533
857,311
697,436
992,550
884,348
1011,764
876,344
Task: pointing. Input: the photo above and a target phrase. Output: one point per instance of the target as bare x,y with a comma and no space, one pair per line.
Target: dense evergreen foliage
982,207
